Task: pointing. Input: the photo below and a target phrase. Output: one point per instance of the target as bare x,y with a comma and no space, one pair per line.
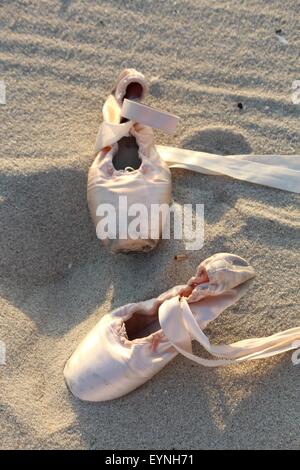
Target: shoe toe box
104,367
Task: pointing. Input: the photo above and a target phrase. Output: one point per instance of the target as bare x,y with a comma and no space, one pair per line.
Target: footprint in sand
222,141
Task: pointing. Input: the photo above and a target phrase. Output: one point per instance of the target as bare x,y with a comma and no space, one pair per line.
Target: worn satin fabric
149,184
106,365
276,171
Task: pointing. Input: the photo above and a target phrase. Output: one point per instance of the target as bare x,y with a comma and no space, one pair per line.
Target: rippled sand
59,61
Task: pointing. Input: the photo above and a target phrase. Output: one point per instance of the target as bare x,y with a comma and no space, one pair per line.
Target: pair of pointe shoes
130,345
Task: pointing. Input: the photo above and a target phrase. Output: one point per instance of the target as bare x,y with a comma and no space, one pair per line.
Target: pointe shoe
134,342
127,170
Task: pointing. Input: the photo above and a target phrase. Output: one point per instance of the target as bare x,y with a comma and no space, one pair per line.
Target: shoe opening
127,156
134,91
141,325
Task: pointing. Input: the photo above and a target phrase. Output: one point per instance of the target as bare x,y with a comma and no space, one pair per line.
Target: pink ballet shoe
127,169
130,171
134,342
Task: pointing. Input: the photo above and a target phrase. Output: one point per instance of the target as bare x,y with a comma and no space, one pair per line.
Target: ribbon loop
175,314
276,171
149,116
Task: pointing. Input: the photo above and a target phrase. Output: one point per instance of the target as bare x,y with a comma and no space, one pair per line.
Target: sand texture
59,60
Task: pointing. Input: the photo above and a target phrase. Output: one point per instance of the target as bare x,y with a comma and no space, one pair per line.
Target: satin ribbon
148,116
180,327
110,134
284,174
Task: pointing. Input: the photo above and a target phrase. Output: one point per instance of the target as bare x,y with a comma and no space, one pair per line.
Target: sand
59,61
